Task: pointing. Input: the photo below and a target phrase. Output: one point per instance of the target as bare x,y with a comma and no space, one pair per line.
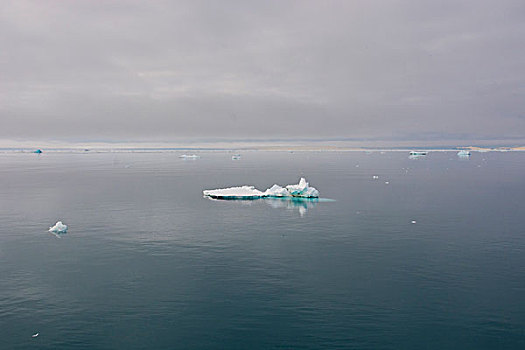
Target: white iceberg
277,191
189,156
58,228
464,153
241,192
301,190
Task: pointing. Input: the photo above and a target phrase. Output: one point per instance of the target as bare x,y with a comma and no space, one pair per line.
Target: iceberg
189,156
240,192
277,191
301,190
464,153
236,157
58,228
38,151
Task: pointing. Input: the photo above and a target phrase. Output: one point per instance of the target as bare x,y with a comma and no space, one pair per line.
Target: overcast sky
161,70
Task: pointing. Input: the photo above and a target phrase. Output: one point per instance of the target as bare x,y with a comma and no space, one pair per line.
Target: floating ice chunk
418,153
236,157
58,228
189,156
35,335
464,153
375,177
241,192
38,151
301,190
277,191
413,221
387,182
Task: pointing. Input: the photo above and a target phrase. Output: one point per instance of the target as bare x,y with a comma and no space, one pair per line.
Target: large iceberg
301,190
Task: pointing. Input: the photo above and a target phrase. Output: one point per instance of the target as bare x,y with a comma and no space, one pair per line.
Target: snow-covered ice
58,228
240,192
302,190
189,156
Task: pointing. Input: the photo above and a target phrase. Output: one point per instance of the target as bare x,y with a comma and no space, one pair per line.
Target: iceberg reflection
302,204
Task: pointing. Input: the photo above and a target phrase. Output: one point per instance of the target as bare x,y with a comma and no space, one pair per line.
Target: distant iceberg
464,153
418,153
236,157
301,190
38,151
189,156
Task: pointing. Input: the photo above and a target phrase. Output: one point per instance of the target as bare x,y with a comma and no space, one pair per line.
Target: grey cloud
167,69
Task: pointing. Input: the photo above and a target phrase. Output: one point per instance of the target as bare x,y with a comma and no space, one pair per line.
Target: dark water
150,264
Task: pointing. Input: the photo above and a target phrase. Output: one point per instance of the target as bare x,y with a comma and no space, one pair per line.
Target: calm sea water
148,263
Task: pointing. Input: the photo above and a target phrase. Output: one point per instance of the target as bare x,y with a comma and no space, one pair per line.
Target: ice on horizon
301,190
189,156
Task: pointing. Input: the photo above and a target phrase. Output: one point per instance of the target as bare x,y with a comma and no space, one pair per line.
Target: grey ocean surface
148,263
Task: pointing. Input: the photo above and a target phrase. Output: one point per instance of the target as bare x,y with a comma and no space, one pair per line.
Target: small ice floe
463,153
58,228
38,151
413,221
302,190
189,156
236,157
375,177
35,335
418,153
387,182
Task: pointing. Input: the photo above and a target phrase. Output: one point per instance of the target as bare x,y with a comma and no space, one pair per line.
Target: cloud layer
160,70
